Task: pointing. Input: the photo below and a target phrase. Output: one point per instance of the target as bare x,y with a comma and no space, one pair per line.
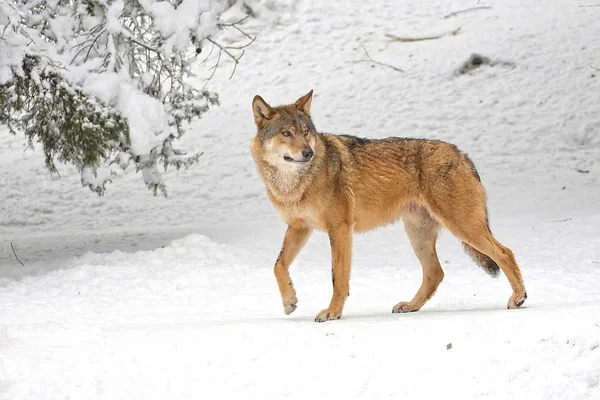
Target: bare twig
244,33
209,54
418,39
4,31
594,67
234,23
252,39
15,253
55,64
563,220
236,59
144,45
213,69
466,10
371,60
591,5
236,64
224,49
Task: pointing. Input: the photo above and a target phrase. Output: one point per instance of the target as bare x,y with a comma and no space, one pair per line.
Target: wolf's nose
307,153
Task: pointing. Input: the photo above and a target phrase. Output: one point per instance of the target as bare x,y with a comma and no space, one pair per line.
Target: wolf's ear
303,103
261,111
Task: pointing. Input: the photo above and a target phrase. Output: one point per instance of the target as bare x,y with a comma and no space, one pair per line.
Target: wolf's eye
286,133
306,132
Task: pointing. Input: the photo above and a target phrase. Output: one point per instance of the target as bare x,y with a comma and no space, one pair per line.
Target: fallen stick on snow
15,253
563,220
418,39
466,10
370,59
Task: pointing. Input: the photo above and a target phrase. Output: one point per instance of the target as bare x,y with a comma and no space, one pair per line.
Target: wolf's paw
289,306
405,307
516,301
328,314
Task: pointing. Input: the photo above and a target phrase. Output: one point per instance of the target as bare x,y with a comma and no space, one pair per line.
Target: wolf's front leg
341,259
294,240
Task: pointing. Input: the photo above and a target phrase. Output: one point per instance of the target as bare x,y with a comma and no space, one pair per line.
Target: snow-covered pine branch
104,83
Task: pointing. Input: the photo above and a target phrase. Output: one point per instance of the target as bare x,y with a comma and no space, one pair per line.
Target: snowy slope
103,310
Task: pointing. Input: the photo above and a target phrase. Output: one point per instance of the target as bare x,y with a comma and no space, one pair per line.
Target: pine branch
58,107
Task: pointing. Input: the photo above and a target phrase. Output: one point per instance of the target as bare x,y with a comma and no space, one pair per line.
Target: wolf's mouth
290,159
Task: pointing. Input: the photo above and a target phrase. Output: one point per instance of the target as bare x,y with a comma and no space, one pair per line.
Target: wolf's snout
307,153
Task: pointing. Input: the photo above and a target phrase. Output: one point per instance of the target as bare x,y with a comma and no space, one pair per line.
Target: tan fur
355,185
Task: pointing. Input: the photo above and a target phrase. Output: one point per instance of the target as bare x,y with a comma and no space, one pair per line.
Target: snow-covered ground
131,296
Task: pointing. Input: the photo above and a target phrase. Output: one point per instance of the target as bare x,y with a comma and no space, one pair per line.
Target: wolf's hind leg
504,257
472,228
422,230
295,238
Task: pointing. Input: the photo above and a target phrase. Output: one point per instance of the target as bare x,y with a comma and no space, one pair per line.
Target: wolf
343,184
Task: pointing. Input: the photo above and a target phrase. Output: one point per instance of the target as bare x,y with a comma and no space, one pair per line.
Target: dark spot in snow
477,60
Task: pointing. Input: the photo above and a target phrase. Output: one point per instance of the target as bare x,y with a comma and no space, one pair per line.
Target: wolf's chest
312,216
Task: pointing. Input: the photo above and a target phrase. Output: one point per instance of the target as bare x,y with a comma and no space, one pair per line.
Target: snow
133,296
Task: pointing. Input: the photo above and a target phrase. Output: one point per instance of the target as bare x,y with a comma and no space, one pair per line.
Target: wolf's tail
485,262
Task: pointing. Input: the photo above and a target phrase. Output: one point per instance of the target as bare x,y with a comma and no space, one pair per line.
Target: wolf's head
286,136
